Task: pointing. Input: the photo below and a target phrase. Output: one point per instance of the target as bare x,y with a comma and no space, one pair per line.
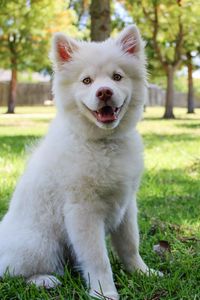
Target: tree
25,31
165,25
191,48
190,94
100,20
21,30
165,29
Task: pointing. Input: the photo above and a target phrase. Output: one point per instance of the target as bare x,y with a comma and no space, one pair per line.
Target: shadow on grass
28,121
153,139
168,120
16,144
171,195
189,126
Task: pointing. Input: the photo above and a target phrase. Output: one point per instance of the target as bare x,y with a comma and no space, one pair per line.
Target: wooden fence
156,97
38,93
27,93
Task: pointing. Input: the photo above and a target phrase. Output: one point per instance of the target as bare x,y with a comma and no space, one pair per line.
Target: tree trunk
13,88
100,20
169,101
12,92
190,95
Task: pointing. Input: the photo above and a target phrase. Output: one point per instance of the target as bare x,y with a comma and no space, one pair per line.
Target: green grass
169,205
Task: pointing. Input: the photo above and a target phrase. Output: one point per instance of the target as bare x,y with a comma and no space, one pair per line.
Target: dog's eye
87,80
117,77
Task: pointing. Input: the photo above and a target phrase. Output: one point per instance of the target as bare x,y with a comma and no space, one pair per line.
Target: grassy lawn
169,205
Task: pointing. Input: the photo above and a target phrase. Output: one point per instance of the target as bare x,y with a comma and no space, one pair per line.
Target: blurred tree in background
100,20
96,15
25,31
191,47
170,27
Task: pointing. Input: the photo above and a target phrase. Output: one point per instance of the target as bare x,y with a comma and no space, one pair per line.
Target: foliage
167,28
168,205
171,15
191,21
81,8
26,28
25,32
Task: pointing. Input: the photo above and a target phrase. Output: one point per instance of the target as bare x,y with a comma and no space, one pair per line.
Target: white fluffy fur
81,181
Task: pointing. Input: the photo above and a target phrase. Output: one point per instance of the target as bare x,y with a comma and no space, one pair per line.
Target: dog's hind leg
125,240
29,252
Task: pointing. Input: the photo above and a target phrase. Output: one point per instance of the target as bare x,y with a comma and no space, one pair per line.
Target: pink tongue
106,119
106,114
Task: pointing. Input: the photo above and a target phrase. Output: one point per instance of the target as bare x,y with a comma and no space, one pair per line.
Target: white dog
81,181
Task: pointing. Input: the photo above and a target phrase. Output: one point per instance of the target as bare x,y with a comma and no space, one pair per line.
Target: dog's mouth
107,114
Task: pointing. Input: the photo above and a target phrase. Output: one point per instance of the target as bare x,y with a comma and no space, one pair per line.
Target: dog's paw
106,296
155,273
151,272
46,281
140,266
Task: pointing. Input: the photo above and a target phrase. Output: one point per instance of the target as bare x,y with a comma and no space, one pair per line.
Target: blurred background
170,29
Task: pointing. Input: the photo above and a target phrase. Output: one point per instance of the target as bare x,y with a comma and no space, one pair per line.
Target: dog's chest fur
103,174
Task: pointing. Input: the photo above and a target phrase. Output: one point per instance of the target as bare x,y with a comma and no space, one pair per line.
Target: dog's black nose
104,93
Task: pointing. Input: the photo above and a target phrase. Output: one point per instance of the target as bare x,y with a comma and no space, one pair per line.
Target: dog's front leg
85,229
125,240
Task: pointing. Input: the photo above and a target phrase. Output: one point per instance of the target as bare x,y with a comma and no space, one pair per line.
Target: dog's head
100,83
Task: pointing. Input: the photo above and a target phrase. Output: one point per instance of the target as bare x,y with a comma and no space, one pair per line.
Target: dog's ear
130,40
62,49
